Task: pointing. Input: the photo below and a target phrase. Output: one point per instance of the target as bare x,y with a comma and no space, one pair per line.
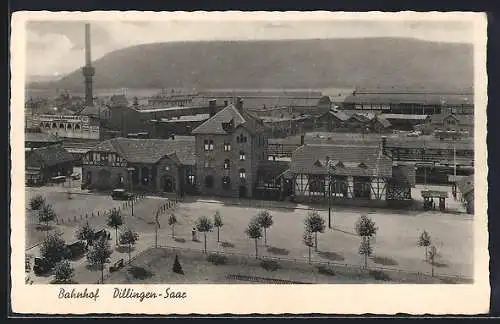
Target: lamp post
331,171
131,171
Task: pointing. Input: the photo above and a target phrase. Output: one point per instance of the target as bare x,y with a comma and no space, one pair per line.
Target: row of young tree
46,212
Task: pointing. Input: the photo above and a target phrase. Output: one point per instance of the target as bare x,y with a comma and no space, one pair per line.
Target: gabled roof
340,115
52,155
151,150
93,110
226,115
363,118
312,159
41,137
404,116
463,120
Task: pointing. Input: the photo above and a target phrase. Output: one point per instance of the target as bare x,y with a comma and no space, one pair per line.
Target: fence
346,267
75,219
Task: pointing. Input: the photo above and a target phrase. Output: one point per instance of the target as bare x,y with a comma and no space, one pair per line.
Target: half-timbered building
164,166
348,173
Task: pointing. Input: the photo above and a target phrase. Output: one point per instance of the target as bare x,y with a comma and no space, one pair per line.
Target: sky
55,48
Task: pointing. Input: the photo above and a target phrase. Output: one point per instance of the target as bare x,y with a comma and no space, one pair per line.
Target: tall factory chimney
88,71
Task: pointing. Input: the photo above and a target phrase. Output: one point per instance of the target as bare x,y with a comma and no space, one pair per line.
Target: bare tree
315,224
99,254
129,237
308,241
432,255
254,231
218,223
115,221
204,224
365,249
265,220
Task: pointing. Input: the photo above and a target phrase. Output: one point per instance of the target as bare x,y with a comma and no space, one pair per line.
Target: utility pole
131,171
69,187
157,226
330,179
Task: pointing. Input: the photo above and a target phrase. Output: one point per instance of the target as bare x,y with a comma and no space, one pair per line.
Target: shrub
217,259
324,270
177,268
379,275
37,202
270,265
140,272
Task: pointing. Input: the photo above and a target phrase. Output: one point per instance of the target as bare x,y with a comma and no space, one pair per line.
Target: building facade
46,162
81,127
162,166
229,147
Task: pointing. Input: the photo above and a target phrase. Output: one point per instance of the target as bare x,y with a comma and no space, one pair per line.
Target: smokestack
239,104
384,144
212,107
88,71
302,140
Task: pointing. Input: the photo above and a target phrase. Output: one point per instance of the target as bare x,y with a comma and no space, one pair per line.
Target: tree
53,249
99,254
204,225
315,224
63,272
254,231
425,241
308,241
85,233
432,255
218,223
365,227
177,268
129,237
37,202
46,214
115,221
365,249
265,220
172,221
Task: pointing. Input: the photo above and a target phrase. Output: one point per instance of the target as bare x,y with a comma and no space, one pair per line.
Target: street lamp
331,171
131,171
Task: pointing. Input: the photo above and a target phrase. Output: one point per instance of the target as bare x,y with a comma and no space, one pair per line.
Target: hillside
316,64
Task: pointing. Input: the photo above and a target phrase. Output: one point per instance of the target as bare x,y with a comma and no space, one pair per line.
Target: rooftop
381,97
52,155
151,150
226,115
190,118
41,137
347,159
466,184
404,116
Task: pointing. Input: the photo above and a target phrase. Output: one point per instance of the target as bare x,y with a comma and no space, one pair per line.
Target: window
89,177
207,164
209,145
242,156
54,125
90,157
104,157
167,167
226,183
241,139
226,164
120,178
191,179
243,174
209,181
227,147
77,127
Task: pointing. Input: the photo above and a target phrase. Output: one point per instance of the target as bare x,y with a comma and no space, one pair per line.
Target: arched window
209,181
47,125
70,126
77,127
61,125
227,164
54,125
42,125
226,183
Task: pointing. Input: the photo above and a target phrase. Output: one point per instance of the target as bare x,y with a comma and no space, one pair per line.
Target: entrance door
243,191
168,184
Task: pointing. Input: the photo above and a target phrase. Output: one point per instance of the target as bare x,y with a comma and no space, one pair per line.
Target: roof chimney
225,103
239,104
384,144
302,140
211,107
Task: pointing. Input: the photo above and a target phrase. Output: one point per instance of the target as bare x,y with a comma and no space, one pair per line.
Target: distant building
380,125
101,112
332,120
33,140
229,147
282,127
81,127
182,125
453,122
411,103
404,121
46,162
163,166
